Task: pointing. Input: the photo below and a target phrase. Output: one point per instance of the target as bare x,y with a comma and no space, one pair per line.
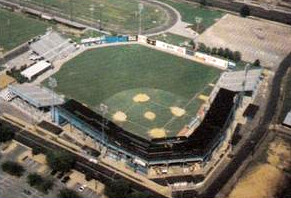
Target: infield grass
16,29
114,75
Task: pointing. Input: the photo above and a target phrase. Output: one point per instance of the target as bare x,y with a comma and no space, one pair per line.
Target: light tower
53,84
198,21
92,9
104,110
140,9
101,10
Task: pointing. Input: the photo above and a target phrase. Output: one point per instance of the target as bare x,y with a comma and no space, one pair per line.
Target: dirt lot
266,176
255,39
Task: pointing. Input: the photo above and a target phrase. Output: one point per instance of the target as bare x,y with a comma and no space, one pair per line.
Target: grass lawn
189,11
172,39
114,75
117,15
16,28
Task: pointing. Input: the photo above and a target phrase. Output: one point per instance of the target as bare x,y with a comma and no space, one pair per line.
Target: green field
172,39
115,75
189,11
116,15
16,29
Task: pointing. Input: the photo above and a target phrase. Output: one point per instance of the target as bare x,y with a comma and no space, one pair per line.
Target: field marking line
190,101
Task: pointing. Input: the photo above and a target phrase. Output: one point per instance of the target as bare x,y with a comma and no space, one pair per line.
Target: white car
82,188
93,160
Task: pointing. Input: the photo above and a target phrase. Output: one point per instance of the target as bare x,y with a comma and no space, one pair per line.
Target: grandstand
52,46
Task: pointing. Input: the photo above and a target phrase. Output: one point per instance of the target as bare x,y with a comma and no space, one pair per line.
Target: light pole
198,20
104,110
101,9
53,84
71,10
92,9
140,9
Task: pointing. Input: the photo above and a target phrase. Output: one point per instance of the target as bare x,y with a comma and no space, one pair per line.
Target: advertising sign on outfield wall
142,39
212,60
169,47
132,38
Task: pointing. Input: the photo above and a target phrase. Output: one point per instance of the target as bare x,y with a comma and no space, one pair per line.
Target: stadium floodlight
92,9
101,10
52,83
140,9
104,110
198,20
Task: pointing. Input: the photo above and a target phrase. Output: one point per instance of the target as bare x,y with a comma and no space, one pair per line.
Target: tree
230,56
202,47
226,53
214,51
13,168
237,56
257,63
60,161
220,51
40,183
34,179
6,134
68,193
137,194
245,11
118,189
203,2
36,150
208,50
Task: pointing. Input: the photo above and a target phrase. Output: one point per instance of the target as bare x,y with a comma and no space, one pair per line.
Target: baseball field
150,93
15,29
118,15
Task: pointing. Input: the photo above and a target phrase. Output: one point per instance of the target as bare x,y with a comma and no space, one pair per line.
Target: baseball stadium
144,102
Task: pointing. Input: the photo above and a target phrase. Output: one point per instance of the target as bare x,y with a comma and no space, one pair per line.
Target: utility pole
53,84
140,9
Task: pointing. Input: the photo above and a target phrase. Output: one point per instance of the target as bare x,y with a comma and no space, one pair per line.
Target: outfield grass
189,11
15,29
172,39
114,75
119,15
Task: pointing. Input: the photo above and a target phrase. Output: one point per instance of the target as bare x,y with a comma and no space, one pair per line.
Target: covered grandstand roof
36,96
234,80
36,69
52,46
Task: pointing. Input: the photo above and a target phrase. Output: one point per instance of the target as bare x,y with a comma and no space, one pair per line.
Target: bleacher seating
6,95
52,46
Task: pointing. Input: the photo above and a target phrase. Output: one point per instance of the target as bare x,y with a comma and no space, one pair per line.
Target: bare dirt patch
177,111
139,98
157,133
119,116
254,38
262,181
150,115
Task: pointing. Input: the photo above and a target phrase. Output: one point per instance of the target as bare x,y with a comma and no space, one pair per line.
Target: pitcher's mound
177,111
150,115
157,133
141,98
119,116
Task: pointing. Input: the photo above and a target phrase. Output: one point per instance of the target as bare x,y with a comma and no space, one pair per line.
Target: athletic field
150,93
117,15
16,29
